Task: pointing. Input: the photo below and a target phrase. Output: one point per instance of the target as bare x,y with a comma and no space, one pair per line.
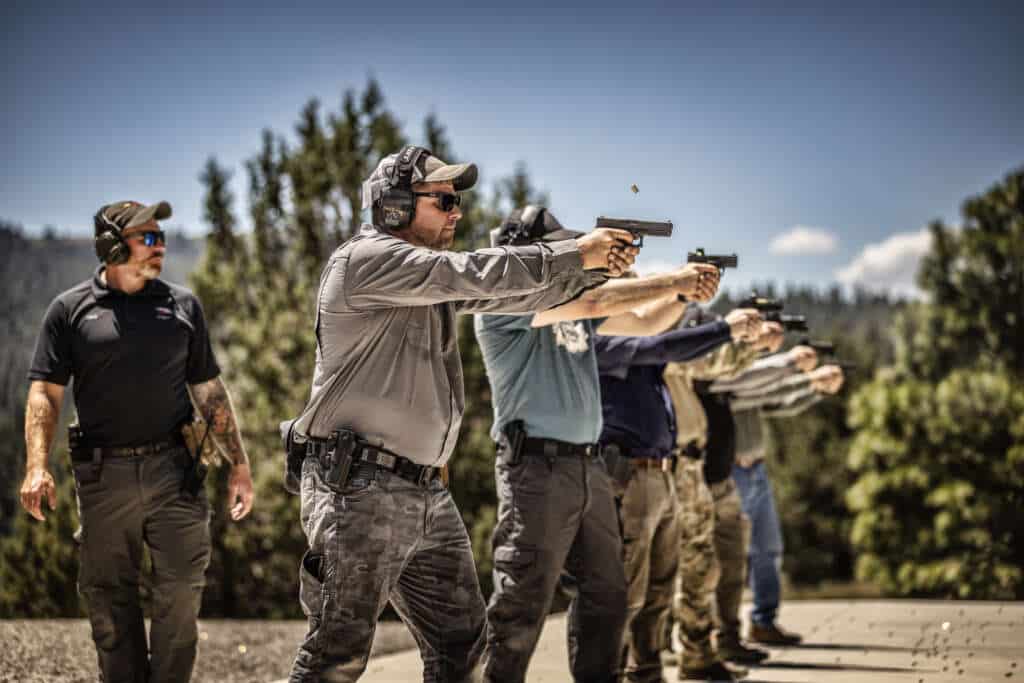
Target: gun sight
721,261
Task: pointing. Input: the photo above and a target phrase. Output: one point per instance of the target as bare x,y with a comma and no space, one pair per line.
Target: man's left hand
240,491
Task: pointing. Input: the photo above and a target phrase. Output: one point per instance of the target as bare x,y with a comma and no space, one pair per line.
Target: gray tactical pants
384,538
555,513
136,501
650,537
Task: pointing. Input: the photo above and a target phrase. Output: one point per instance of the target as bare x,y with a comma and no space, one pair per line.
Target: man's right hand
698,281
770,337
827,379
744,323
804,357
38,483
608,248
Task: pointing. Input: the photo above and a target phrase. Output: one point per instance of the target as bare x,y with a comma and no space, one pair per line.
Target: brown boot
773,634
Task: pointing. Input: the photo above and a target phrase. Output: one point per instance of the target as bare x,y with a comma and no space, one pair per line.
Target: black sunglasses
152,237
446,200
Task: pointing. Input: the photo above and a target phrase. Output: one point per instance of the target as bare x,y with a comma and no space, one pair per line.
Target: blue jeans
765,554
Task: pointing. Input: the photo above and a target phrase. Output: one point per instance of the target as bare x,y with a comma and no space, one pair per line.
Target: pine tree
939,449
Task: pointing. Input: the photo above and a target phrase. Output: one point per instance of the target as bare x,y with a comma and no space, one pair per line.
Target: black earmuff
397,203
110,246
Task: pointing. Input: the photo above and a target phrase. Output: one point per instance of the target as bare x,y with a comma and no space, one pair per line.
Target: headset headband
405,164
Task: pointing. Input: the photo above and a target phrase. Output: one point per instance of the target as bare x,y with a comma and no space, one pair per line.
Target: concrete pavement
903,641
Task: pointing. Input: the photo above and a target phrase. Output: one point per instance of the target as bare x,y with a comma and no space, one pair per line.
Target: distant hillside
32,272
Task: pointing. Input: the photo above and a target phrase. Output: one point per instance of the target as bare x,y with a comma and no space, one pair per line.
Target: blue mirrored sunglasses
151,237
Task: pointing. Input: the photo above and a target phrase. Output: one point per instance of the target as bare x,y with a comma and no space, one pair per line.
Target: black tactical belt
554,448
421,475
151,448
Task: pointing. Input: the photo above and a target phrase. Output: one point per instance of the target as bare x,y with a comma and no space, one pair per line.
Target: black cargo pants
554,513
133,501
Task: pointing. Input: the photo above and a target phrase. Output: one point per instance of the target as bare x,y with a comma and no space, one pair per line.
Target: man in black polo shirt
137,347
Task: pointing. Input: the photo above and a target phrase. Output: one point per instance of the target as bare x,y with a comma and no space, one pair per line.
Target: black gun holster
512,450
76,445
619,467
335,455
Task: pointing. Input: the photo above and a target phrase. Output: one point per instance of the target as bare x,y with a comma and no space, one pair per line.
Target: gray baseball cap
429,169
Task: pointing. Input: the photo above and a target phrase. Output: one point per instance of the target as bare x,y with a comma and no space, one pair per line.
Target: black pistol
640,229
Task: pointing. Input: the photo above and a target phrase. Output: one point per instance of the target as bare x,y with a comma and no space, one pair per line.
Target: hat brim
563,234
159,211
462,176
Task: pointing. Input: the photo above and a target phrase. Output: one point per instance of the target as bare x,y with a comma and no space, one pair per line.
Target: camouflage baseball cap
429,169
128,214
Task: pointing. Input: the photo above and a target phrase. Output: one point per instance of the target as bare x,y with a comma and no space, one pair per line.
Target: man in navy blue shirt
638,440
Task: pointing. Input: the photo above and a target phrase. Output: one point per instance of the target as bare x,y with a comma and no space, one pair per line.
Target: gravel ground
61,651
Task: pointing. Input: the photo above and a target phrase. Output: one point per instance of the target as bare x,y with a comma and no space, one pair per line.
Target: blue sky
816,140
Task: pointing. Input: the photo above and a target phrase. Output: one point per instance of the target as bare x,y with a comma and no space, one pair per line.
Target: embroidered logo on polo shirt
93,316
163,313
571,336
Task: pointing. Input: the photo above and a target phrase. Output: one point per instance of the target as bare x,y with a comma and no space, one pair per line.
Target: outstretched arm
42,411
213,402
646,305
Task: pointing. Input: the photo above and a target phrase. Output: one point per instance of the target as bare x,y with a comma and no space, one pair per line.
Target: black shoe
738,652
773,634
719,671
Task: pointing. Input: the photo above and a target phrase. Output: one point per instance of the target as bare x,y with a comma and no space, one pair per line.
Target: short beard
149,271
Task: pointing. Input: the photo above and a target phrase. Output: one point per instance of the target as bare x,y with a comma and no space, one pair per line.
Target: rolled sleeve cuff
565,257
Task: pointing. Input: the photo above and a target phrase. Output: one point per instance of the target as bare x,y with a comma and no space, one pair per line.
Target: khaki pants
732,539
649,511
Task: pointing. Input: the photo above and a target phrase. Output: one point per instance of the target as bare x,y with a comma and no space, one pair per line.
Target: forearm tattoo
214,404
40,425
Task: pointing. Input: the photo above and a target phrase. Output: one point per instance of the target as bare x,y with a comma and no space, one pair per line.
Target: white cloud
804,240
890,265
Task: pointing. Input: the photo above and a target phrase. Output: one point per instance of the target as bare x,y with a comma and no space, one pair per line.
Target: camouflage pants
732,539
699,570
650,540
555,513
383,538
131,502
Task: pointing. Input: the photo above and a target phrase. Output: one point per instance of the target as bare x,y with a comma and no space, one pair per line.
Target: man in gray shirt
556,509
385,409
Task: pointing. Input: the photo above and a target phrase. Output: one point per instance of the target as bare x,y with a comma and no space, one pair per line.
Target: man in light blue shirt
556,507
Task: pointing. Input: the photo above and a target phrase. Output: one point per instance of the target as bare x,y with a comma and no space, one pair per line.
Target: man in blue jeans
785,397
